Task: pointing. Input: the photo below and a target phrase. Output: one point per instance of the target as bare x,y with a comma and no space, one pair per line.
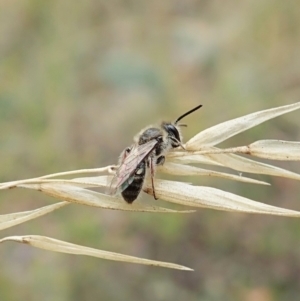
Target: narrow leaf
247,165
207,197
186,170
11,184
13,219
276,150
220,132
56,245
187,157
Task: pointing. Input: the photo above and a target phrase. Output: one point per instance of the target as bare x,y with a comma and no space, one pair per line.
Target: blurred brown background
78,79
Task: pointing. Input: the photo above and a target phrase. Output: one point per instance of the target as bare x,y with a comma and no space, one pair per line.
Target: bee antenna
187,113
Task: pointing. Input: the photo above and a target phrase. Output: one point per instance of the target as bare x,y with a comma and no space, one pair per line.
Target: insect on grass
148,151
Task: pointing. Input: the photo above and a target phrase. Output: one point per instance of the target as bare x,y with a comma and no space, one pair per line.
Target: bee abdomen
132,191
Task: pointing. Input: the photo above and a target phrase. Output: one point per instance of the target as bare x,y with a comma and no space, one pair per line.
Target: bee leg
160,160
152,177
176,143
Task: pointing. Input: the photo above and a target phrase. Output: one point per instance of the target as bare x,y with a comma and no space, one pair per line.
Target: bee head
173,134
173,129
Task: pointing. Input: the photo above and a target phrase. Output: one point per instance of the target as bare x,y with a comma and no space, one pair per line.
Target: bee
147,152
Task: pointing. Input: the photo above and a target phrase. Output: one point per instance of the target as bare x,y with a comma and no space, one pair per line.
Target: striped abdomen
131,192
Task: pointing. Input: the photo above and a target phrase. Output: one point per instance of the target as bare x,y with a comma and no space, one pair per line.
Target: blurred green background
78,79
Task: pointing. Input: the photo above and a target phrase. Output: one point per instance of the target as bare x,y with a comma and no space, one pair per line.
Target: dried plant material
13,219
83,196
268,149
190,157
99,181
61,190
208,197
56,245
199,149
11,184
275,150
107,169
221,132
186,170
247,165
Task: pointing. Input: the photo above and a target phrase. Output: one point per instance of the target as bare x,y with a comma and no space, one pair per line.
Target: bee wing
129,164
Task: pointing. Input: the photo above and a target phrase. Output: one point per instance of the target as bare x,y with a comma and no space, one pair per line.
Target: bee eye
172,130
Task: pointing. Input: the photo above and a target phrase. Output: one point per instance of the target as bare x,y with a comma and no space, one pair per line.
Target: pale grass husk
56,245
